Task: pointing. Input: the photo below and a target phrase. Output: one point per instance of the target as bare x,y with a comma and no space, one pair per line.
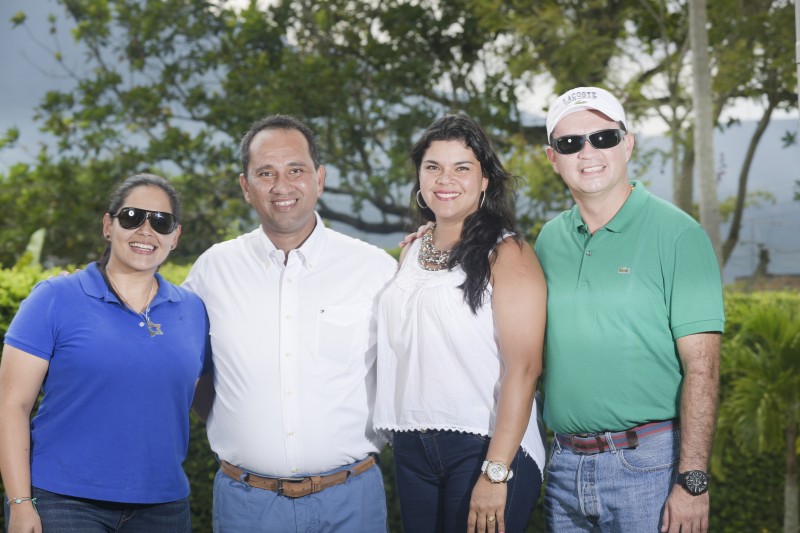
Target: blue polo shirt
616,302
113,423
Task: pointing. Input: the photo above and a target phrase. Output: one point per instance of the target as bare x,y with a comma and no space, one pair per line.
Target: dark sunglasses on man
133,217
602,140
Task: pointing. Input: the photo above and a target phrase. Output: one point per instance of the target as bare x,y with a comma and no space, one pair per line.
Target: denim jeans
614,491
66,514
436,472
357,505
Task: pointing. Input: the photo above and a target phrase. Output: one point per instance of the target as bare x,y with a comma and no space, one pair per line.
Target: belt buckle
583,448
577,448
287,480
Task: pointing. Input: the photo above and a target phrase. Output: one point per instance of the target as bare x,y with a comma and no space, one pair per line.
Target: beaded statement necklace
152,328
429,257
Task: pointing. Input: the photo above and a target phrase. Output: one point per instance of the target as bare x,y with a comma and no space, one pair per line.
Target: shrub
748,499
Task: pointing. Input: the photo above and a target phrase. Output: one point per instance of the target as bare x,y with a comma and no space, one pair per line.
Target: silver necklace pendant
153,328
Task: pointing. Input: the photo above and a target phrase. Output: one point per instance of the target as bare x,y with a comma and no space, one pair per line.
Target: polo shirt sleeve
695,286
33,328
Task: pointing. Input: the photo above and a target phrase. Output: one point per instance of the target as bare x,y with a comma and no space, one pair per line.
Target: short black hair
277,122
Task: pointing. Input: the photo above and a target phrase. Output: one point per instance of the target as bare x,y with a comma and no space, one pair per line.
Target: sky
28,71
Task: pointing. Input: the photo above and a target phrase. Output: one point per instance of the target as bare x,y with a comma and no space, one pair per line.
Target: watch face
496,471
696,482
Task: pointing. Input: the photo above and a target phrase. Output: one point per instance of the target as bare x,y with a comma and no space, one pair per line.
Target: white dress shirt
293,350
439,365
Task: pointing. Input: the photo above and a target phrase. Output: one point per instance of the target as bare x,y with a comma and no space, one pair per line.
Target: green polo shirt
616,302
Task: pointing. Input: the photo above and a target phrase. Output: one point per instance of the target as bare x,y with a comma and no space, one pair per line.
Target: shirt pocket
343,332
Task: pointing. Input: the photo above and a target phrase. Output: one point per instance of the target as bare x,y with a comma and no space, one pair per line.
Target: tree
639,49
171,86
761,364
703,139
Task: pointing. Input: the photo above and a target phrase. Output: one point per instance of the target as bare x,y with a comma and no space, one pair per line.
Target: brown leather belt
592,443
296,487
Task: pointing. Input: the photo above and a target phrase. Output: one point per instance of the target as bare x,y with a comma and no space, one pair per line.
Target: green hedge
749,499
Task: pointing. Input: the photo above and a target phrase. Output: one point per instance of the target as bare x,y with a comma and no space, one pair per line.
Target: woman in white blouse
460,339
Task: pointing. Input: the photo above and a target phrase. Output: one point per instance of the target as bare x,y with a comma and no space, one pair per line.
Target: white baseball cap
581,98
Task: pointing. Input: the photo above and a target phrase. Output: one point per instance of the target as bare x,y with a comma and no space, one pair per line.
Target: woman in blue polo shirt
116,351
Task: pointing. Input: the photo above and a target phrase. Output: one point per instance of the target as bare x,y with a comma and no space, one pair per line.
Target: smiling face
591,172
451,180
140,249
283,185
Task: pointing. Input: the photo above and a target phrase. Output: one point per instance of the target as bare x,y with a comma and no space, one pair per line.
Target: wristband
22,500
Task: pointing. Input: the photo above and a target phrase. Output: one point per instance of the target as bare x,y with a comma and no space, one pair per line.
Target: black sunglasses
603,139
133,217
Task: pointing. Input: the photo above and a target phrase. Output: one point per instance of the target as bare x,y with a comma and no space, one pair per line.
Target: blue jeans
357,505
614,491
436,472
66,514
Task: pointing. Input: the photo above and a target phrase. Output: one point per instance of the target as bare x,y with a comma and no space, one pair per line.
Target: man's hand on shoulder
411,237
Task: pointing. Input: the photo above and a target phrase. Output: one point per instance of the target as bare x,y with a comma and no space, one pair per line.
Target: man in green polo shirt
634,323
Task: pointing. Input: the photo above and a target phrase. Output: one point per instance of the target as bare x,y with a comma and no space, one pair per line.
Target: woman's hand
487,507
23,518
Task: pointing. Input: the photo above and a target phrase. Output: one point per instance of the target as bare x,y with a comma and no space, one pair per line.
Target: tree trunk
685,189
741,195
791,521
703,135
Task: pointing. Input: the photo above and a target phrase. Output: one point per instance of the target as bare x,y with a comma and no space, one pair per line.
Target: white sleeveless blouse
439,365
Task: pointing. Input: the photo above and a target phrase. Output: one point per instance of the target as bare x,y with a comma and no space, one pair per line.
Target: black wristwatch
694,481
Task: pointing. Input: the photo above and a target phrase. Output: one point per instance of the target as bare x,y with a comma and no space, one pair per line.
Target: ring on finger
490,519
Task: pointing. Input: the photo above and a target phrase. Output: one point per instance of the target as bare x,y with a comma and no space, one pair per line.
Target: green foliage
750,498
541,191
760,376
15,284
172,85
761,367
174,272
746,493
200,467
33,253
11,136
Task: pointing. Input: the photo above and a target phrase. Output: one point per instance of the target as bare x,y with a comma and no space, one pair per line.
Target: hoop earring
483,199
419,193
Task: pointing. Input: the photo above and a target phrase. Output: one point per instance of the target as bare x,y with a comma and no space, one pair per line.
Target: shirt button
141,324
588,252
288,317
288,354
288,393
290,433
288,280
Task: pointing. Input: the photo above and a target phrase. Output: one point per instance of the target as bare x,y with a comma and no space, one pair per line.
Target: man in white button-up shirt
291,306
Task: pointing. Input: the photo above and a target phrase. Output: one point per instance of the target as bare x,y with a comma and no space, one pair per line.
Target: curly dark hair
484,228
